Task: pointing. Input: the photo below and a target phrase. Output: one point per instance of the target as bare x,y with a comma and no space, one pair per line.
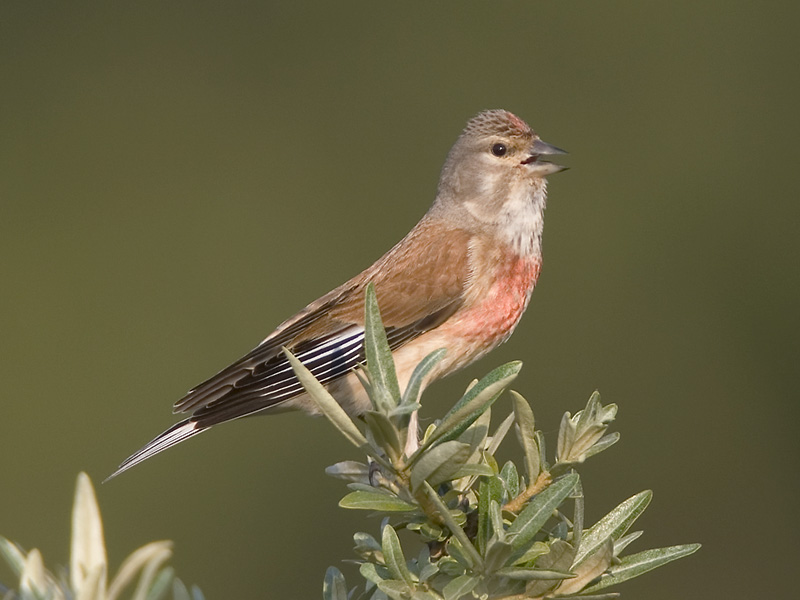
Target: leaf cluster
86,578
484,530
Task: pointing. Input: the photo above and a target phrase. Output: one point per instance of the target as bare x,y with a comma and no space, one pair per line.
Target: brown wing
419,284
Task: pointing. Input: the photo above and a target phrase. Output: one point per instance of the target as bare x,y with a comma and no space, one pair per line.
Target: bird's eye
499,149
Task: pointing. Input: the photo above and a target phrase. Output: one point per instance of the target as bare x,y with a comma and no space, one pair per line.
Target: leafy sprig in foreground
86,578
487,531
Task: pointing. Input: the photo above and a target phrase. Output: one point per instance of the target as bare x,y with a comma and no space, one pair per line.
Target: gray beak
540,147
541,167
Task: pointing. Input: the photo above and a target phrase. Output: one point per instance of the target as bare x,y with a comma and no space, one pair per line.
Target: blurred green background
177,178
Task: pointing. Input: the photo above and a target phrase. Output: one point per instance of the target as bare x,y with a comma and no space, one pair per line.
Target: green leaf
376,501
328,405
349,470
497,554
475,435
393,556
472,470
510,479
472,404
558,559
533,574
13,555
396,590
602,444
588,569
491,488
421,371
614,524
624,541
440,463
637,564
500,434
538,510
380,363
526,431
161,583
334,587
373,573
147,560
536,550
179,591
384,432
454,527
459,587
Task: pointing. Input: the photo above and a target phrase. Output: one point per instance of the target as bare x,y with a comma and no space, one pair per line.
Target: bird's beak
542,167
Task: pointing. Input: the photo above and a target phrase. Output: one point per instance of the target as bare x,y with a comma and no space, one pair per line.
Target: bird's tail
174,435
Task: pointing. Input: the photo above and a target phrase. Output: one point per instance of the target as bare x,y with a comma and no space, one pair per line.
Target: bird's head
495,169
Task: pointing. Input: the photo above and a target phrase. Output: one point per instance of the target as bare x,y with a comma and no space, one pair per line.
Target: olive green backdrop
177,178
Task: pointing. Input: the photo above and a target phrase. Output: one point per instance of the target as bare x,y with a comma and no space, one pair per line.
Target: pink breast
496,315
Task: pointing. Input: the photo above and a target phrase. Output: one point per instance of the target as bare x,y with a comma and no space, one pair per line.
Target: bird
460,280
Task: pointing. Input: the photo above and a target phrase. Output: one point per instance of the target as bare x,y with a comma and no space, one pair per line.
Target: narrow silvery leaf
334,587
34,577
625,540
161,583
604,442
491,488
131,566
497,554
510,478
380,363
378,501
475,435
373,573
536,550
558,559
472,404
427,569
87,549
12,555
349,470
637,564
614,524
590,568
384,432
470,470
500,434
459,587
421,371
393,555
179,590
326,403
150,571
454,527
588,415
197,593
533,574
577,520
396,590
496,518
566,437
440,463
526,430
538,510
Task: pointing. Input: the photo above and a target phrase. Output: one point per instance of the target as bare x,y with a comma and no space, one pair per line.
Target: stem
542,481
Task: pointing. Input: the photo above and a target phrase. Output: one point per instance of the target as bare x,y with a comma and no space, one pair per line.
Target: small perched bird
459,280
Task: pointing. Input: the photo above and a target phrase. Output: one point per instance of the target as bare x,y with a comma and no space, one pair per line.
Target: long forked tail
174,435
